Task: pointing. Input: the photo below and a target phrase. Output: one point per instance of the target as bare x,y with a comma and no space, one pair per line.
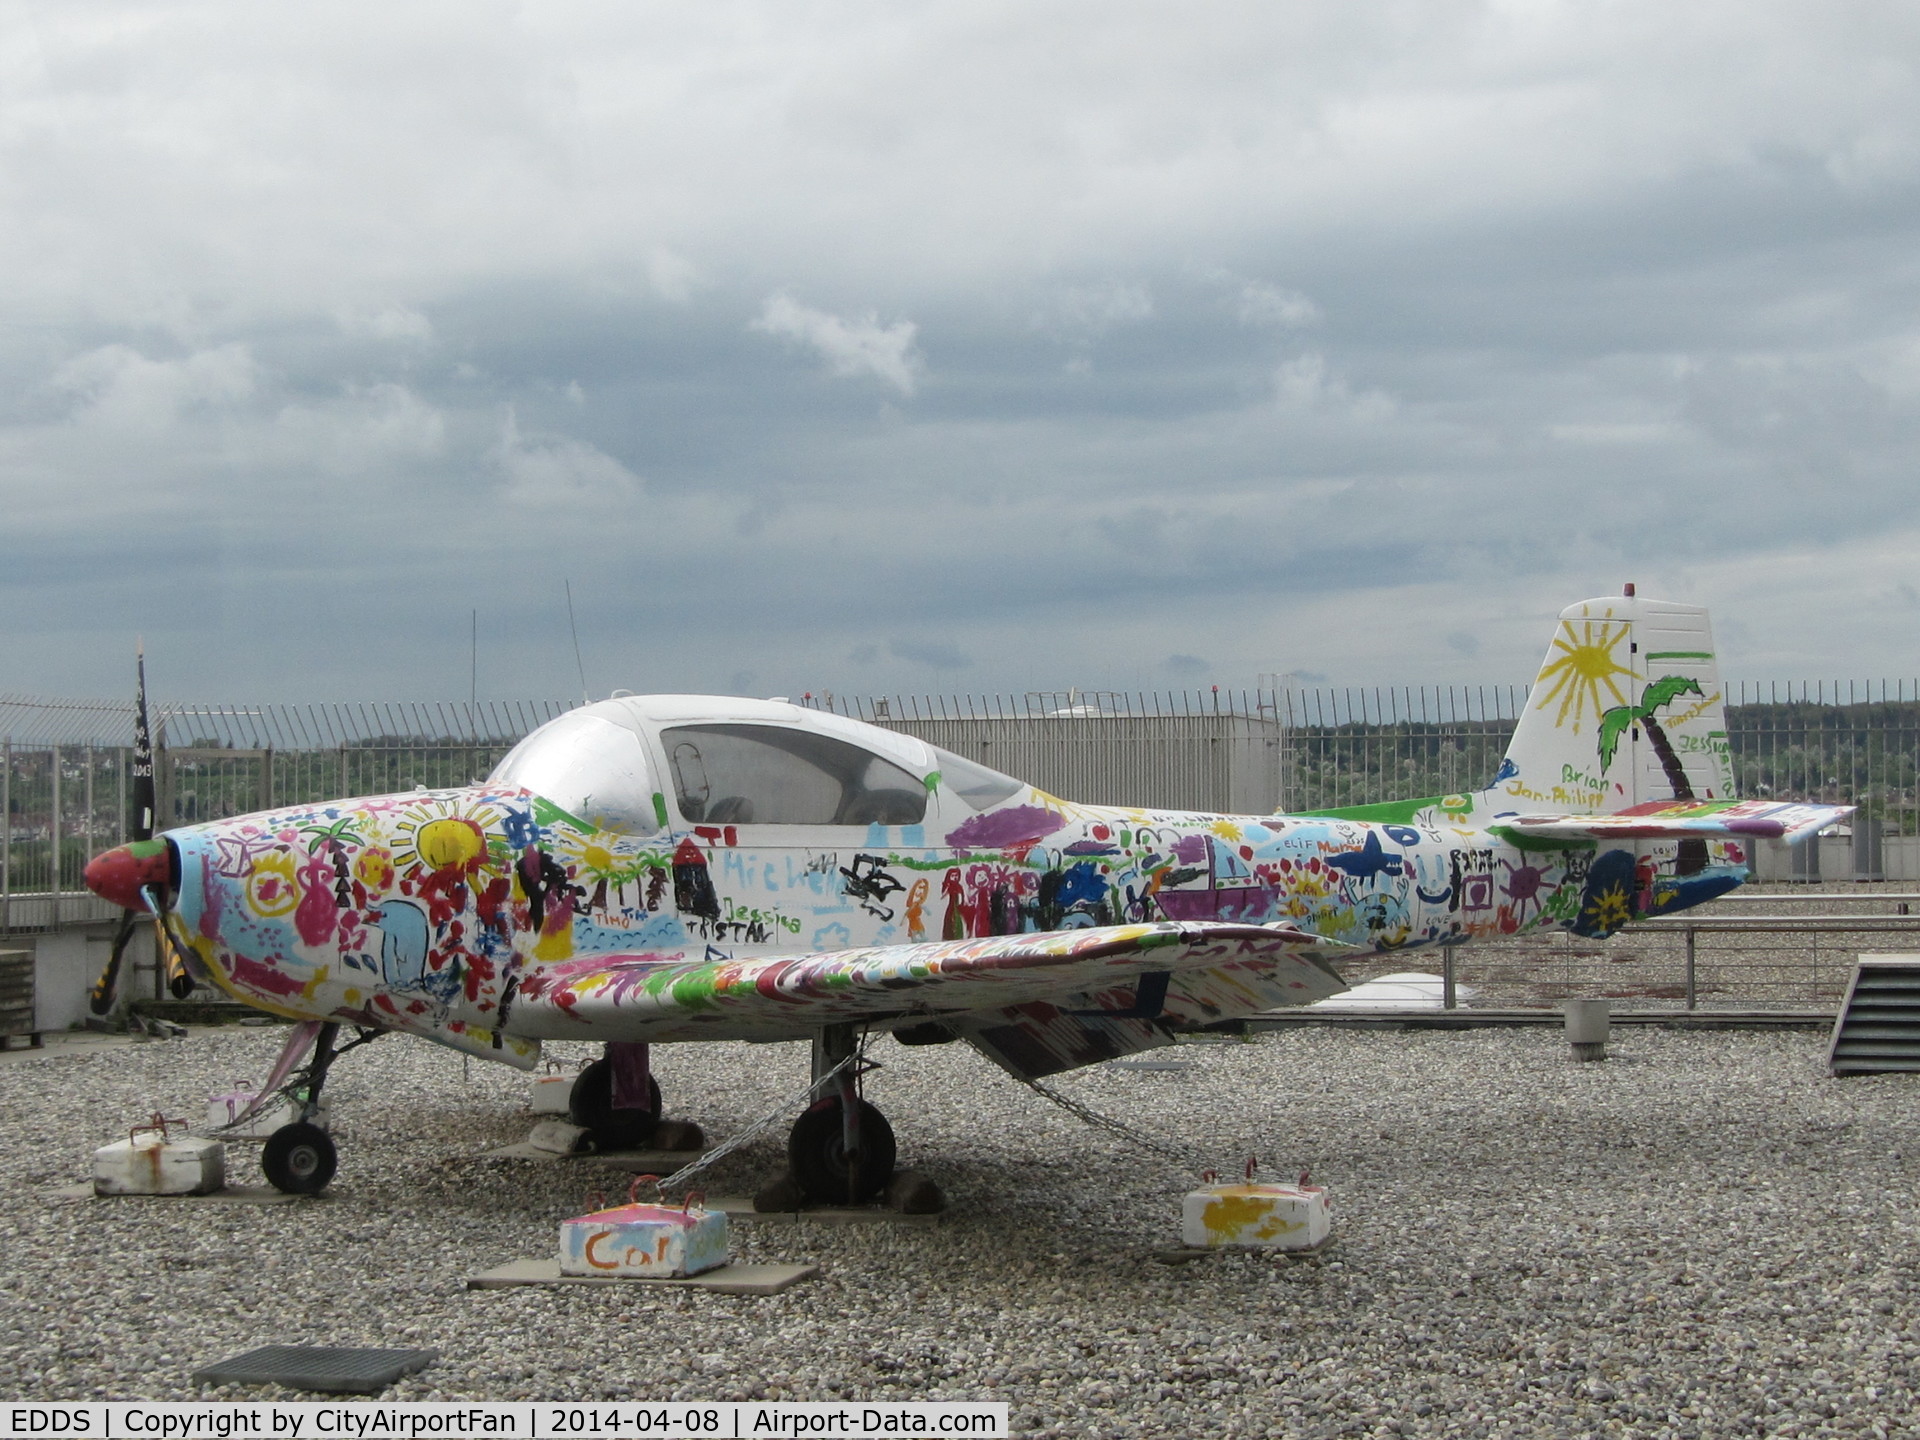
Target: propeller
139,869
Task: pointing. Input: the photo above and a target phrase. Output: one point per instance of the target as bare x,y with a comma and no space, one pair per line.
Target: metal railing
1745,952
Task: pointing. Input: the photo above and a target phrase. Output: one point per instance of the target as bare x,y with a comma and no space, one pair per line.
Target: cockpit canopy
738,762
592,765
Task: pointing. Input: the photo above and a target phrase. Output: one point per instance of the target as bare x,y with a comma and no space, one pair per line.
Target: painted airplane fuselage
441,912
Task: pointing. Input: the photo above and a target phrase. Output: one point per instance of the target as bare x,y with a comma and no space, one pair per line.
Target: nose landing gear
300,1157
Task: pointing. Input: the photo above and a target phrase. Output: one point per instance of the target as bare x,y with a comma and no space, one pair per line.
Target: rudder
1627,708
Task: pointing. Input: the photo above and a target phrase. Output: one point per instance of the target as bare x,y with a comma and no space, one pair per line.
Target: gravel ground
1703,1236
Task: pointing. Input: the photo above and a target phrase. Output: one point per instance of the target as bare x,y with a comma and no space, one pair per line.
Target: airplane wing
1686,820
669,997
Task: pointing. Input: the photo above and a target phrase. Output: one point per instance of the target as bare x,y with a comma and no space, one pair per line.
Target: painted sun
442,840
1582,671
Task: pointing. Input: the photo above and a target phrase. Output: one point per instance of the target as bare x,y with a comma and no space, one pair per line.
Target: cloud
1308,383
559,473
395,322
934,654
851,348
1283,336
118,386
672,276
365,430
1087,312
1262,304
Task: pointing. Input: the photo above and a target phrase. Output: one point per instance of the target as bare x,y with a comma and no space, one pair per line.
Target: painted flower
374,869
272,889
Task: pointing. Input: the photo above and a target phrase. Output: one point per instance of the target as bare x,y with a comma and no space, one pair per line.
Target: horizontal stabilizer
1686,820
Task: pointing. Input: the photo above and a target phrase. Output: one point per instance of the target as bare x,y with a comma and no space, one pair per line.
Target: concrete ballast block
552,1094
1254,1214
646,1241
152,1163
228,1106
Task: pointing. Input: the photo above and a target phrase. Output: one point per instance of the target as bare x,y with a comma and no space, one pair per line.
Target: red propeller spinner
120,874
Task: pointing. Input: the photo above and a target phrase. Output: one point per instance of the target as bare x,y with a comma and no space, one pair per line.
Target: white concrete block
228,1105
154,1163
650,1241
558,1137
552,1094
1249,1213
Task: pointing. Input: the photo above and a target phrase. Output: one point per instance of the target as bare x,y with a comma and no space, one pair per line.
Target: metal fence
1289,749
63,782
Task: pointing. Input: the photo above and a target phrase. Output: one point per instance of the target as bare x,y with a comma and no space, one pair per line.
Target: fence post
1693,992
89,797
1448,995
6,843
53,830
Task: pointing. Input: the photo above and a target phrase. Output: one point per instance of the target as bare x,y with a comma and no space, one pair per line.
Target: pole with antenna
584,698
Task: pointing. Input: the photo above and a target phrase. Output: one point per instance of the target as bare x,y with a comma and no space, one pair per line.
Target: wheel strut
300,1157
841,1149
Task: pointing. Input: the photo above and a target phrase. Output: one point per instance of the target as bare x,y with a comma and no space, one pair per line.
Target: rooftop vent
1877,1031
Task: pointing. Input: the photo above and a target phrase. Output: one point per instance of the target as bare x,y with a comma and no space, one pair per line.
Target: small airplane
669,868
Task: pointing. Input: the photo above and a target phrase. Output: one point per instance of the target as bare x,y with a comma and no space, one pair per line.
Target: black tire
927,1032
817,1152
299,1159
591,1108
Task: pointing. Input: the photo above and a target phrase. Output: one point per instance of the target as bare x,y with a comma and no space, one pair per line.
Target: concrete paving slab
58,1044
232,1195
329,1369
640,1162
740,1207
1182,1254
762,1279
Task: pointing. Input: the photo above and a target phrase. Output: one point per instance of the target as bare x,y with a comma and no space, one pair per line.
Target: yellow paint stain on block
1236,1219
1274,1217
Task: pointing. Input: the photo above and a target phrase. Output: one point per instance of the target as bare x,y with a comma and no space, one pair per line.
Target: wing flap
1039,1038
652,996
1686,820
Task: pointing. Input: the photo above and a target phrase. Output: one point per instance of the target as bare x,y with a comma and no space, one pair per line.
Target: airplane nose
119,875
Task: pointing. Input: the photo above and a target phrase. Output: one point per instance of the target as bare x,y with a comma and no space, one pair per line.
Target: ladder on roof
1877,1031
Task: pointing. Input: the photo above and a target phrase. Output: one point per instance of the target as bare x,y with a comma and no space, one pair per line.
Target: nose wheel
300,1158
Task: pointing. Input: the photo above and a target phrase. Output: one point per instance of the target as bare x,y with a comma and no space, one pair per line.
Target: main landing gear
300,1158
604,1096
840,1151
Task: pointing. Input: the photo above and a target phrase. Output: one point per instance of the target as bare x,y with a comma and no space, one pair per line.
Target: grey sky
952,346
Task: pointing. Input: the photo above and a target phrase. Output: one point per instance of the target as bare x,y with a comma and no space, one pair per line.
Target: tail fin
1627,709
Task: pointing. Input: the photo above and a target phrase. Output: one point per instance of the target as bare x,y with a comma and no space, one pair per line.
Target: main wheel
591,1108
817,1152
299,1159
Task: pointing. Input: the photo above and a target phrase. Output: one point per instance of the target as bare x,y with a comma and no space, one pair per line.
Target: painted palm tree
1659,693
